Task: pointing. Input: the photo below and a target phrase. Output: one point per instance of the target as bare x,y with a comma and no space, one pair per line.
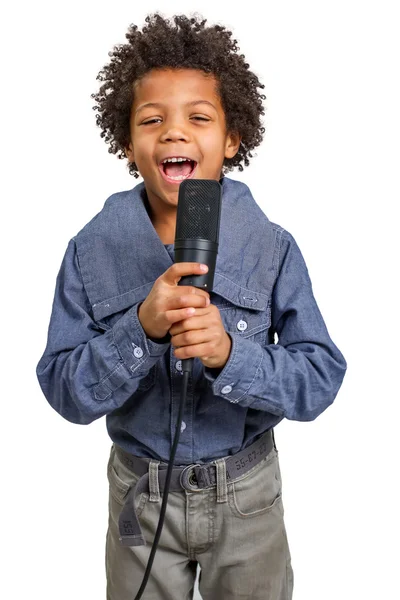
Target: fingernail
203,268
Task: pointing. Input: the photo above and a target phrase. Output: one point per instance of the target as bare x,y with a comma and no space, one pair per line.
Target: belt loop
222,489
153,481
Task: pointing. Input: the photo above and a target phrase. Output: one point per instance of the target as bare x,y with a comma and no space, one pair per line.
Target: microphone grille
199,207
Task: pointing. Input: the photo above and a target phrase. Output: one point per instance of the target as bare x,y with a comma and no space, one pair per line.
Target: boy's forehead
161,83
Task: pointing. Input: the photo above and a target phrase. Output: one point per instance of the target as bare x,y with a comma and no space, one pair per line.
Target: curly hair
180,43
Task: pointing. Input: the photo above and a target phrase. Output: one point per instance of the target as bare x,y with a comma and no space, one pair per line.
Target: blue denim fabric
98,360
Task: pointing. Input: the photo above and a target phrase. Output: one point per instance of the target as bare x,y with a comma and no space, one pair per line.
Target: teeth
176,160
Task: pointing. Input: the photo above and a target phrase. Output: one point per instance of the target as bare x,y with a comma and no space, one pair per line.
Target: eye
158,119
152,121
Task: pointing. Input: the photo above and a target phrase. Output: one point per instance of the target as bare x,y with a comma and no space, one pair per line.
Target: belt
193,478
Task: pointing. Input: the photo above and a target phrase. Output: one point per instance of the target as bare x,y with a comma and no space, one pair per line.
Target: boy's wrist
164,340
220,361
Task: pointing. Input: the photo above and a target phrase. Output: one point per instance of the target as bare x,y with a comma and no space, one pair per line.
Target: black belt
193,478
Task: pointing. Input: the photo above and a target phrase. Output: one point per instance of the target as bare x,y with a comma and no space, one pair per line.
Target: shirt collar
121,253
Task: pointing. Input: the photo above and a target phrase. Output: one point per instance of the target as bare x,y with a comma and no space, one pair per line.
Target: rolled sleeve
235,380
138,352
85,372
300,376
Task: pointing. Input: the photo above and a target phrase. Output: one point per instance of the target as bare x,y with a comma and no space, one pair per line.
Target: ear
232,144
129,153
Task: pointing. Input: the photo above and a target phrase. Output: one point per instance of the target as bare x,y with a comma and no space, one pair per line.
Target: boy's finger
192,338
195,300
174,316
187,290
198,320
178,270
192,351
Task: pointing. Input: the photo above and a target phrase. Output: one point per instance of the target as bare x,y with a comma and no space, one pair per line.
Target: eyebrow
160,105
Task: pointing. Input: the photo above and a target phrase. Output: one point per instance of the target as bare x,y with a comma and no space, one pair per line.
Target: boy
178,101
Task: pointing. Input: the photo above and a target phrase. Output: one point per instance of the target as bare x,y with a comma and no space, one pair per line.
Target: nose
175,129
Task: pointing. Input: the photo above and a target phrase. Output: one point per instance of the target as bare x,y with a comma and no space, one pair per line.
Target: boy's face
188,122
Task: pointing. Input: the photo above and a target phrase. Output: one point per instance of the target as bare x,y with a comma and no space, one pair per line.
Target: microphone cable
187,365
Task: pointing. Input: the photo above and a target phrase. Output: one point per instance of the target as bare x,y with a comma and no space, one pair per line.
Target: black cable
187,367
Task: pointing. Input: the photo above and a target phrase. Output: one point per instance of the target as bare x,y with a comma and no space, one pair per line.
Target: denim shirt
98,360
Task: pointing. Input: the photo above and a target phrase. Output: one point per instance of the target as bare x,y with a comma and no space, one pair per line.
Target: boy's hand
168,303
202,335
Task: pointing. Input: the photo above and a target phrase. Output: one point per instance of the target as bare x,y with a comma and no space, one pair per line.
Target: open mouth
176,172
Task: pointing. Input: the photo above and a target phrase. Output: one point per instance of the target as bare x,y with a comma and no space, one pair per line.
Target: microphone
197,232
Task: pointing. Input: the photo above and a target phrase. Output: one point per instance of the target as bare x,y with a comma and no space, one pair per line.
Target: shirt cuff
138,352
236,378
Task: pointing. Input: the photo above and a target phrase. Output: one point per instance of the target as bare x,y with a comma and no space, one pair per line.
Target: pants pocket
121,480
259,491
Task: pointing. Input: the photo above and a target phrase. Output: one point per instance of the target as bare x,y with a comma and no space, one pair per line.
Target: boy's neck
166,232
164,222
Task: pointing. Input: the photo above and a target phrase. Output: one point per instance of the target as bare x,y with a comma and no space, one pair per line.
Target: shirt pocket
108,320
242,321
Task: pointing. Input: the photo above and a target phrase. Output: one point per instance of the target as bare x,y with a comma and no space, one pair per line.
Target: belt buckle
188,479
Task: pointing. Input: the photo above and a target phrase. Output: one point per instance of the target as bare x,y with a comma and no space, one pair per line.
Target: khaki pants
238,539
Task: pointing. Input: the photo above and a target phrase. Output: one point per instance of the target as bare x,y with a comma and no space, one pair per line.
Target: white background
327,171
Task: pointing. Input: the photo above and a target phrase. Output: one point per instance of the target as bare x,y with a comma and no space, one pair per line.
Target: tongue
178,169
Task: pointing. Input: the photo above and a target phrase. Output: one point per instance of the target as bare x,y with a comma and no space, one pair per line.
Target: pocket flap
239,295
124,301
224,287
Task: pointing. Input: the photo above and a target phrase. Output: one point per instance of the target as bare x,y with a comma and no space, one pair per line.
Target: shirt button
178,365
242,325
183,426
226,389
138,352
